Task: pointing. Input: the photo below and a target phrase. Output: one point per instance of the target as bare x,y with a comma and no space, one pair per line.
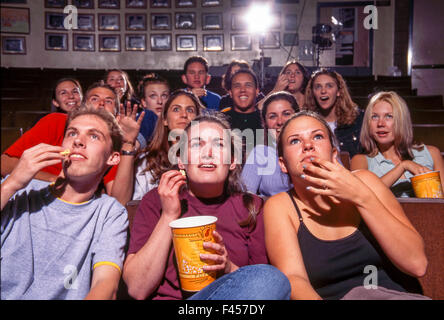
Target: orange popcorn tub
188,237
427,185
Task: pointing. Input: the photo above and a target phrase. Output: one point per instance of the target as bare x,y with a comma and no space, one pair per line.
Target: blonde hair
346,110
402,126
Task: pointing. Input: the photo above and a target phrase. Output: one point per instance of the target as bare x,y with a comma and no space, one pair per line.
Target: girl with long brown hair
328,95
211,187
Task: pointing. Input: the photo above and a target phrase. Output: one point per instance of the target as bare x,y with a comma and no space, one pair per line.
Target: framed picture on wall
55,3
85,22
270,40
276,20
135,42
240,42
109,22
290,39
290,22
213,42
83,4
54,20
13,45
14,20
135,21
160,3
83,42
240,3
56,41
136,4
186,42
185,20
161,21
185,3
109,4
211,3
160,42
212,21
109,42
13,1
237,22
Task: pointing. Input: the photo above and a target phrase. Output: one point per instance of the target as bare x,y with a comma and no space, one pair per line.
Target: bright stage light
259,18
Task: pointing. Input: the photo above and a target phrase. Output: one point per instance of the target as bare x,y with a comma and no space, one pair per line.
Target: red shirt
244,246
50,130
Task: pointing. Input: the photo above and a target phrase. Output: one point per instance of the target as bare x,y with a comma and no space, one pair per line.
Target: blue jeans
254,282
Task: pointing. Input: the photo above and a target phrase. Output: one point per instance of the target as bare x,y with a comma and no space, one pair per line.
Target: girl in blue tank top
387,140
335,227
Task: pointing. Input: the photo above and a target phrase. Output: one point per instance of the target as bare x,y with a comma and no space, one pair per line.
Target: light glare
259,18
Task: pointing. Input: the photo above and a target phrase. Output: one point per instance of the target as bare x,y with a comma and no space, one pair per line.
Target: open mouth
382,133
307,159
324,98
77,156
207,166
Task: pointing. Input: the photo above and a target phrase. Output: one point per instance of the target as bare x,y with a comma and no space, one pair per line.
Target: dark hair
305,73
199,59
54,93
150,78
226,77
157,151
103,84
277,96
306,113
114,129
246,71
129,93
233,183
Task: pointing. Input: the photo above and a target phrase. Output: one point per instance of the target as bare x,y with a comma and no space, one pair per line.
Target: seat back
427,216
131,207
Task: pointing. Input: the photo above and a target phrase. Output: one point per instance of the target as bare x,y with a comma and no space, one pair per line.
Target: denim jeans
253,282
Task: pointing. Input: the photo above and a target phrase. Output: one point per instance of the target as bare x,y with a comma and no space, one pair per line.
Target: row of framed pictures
115,4
159,21
138,42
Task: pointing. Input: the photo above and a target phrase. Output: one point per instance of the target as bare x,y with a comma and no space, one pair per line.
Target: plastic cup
188,237
427,185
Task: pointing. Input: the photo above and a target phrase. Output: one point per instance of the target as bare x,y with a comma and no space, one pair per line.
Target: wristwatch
128,153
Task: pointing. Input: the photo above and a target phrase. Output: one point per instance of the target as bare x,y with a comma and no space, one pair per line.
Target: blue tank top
334,267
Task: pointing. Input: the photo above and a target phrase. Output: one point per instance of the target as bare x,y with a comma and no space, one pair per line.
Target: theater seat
427,216
131,207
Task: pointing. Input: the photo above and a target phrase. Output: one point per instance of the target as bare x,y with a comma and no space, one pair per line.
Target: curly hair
346,110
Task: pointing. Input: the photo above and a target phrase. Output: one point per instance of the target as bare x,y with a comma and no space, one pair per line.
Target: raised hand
281,83
128,123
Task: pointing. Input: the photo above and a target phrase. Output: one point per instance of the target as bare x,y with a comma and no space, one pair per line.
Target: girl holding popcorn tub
211,188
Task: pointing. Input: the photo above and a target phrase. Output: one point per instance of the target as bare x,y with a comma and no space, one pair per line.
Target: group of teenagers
293,222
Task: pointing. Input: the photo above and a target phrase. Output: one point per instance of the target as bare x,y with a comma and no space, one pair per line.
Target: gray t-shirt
49,247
